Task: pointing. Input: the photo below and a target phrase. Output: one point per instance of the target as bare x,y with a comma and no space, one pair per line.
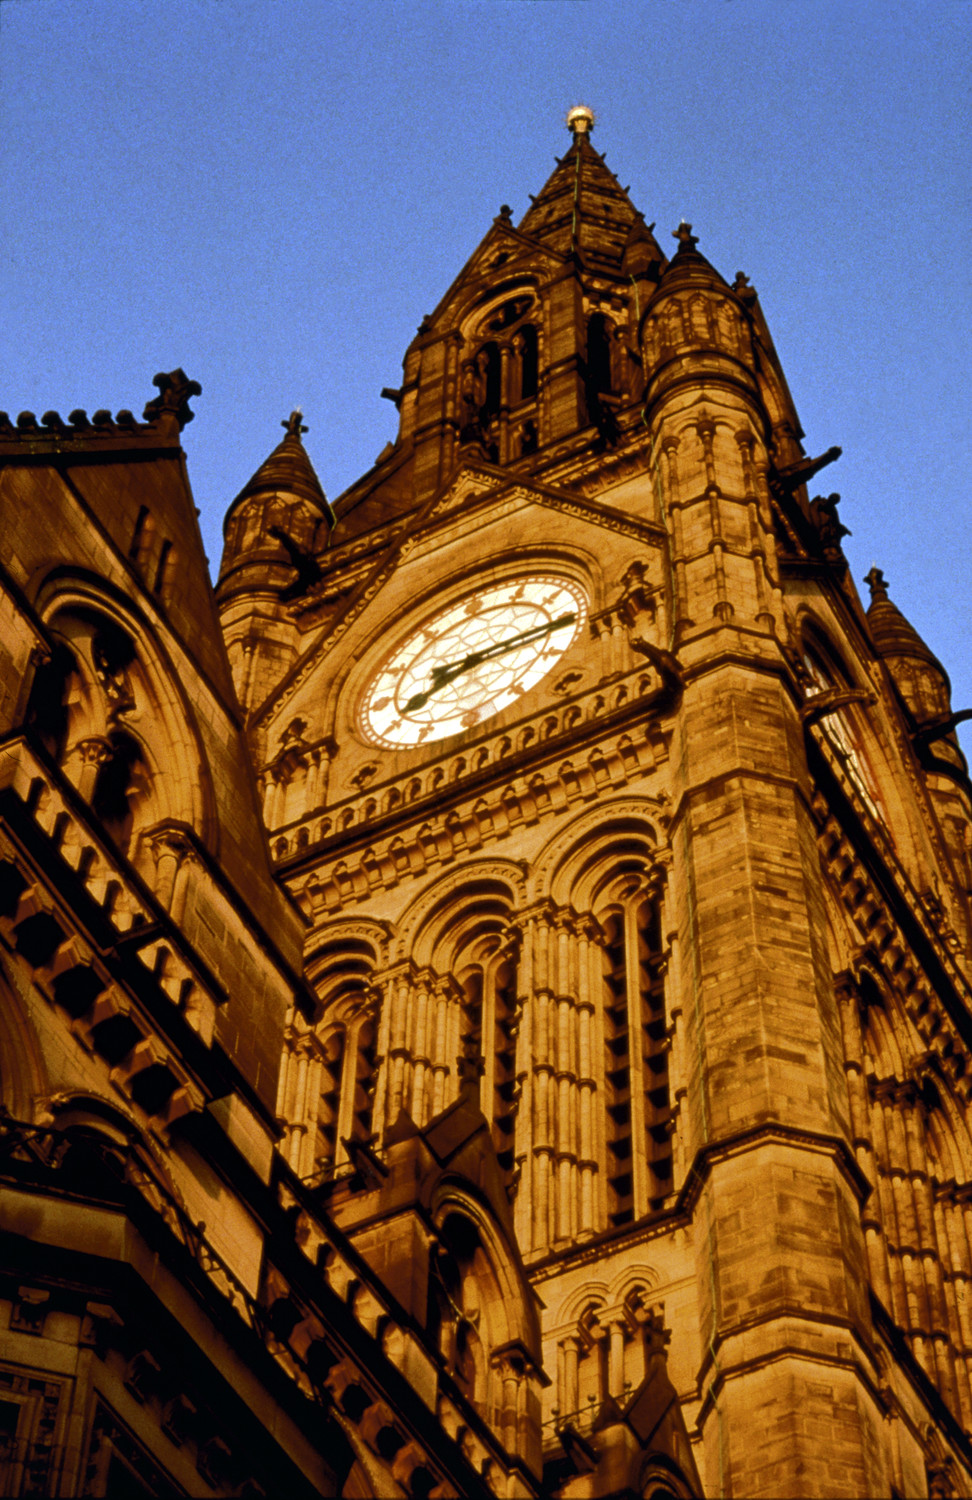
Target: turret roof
893,635
688,263
288,470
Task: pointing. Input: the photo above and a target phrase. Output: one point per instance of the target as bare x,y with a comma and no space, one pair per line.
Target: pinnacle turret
892,633
688,264
274,531
287,470
918,674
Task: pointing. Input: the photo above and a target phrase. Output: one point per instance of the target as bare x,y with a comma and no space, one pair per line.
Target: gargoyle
784,481
308,568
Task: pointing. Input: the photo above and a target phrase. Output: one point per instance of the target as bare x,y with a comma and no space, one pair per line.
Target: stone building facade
484,992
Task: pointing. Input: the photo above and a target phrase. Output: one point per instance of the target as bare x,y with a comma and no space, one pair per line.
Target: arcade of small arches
554,1006
296,778
605,1339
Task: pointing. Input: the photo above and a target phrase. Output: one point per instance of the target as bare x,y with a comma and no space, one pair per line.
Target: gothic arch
487,306
328,1069
460,935
422,919
815,638
950,1146
558,867
367,939
108,706
859,737
592,1291
602,877
879,1019
468,1226
478,909
911,1130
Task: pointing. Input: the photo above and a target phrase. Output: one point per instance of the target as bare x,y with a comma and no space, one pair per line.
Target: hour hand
442,675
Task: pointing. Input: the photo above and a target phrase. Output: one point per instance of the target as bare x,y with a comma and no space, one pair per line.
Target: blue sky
272,193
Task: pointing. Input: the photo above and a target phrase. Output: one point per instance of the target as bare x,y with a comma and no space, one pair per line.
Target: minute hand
447,672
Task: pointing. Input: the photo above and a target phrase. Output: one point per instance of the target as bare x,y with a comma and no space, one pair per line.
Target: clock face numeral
473,659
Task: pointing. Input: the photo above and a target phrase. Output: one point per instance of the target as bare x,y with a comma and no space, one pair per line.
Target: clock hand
447,672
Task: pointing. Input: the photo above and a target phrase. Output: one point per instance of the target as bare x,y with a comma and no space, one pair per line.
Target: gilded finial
580,120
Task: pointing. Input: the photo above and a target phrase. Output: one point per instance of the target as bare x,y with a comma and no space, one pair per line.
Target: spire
582,206
288,470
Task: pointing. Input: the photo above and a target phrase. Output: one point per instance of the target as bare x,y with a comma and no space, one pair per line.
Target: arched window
329,1101
331,1071
79,704
458,1010
501,373
592,1364
106,708
455,1305
599,381
485,969
840,725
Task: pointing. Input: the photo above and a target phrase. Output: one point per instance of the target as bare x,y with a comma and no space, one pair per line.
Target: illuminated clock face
473,659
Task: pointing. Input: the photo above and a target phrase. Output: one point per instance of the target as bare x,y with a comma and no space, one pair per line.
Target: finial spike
876,582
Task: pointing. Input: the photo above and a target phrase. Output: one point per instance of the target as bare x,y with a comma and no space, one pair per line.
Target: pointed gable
504,255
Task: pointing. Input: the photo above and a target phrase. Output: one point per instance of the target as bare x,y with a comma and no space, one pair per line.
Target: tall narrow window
488,362
841,728
617,1073
529,361
655,1047
489,1005
361,1081
504,1081
329,1106
598,355
637,1105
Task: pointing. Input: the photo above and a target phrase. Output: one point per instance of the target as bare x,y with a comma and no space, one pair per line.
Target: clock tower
634,860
